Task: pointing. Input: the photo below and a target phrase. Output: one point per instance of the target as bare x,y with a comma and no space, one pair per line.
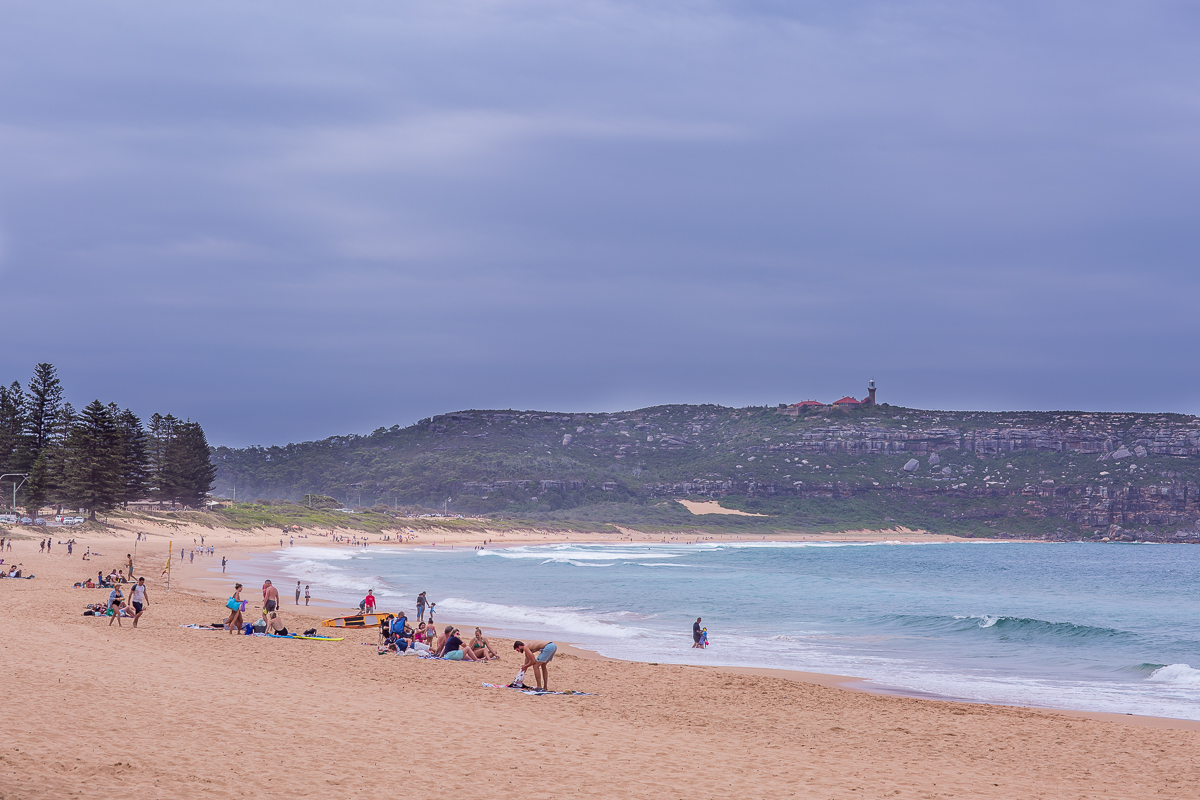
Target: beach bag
232,604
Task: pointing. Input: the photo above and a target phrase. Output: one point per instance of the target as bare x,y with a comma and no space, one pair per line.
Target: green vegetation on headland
1058,475
95,459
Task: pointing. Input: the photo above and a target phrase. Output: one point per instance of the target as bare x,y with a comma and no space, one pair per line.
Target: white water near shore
1089,627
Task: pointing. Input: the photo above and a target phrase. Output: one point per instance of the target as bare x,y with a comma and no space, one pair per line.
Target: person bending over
537,657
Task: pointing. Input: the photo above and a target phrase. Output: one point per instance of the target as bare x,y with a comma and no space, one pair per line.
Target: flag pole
170,550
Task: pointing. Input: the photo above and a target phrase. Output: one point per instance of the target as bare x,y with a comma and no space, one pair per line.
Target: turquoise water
1084,626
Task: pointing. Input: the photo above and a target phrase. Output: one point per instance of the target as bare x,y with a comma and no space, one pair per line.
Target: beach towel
530,690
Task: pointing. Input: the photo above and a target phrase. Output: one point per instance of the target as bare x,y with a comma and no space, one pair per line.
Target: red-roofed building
807,404
846,402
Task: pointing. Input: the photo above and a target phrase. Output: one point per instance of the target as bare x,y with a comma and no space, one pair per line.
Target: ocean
1096,627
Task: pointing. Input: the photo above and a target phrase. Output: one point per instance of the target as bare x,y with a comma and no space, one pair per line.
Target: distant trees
101,457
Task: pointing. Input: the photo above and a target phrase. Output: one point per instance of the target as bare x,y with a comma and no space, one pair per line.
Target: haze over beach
801,396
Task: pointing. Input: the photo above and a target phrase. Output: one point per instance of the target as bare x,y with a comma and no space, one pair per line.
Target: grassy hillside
1053,473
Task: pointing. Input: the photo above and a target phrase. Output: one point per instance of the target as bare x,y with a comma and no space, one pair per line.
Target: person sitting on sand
440,644
537,656
234,623
275,625
481,648
453,650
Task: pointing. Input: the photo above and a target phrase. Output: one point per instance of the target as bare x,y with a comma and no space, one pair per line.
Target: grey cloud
293,221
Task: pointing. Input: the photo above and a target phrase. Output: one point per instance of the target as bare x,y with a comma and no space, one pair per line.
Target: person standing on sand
306,595
129,563
696,633
222,565
139,600
421,603
369,601
270,597
297,592
234,623
537,655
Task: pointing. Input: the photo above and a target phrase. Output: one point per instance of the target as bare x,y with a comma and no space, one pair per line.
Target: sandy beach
165,711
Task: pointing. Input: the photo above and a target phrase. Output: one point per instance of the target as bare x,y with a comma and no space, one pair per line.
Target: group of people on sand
399,637
116,607
270,622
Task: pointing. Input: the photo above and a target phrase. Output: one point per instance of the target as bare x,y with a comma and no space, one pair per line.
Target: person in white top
139,600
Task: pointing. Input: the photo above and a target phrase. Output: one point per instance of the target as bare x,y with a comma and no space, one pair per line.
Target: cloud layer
294,220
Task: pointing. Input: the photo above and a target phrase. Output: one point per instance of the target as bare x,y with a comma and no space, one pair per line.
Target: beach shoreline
247,549
168,711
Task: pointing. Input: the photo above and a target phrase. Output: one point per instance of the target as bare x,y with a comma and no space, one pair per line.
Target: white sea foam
1176,675
569,553
576,621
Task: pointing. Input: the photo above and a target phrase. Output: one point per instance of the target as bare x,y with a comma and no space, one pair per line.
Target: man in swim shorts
270,597
696,633
537,656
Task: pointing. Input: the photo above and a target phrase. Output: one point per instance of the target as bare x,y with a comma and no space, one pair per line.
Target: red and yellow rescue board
360,621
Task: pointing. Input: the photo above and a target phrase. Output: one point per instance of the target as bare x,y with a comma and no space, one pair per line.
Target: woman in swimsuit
234,623
481,648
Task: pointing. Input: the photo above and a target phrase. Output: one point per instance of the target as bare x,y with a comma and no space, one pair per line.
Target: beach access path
165,712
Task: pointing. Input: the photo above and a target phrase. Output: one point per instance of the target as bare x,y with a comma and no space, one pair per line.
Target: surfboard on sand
359,621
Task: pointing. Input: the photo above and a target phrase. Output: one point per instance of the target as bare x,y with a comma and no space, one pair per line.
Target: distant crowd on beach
397,634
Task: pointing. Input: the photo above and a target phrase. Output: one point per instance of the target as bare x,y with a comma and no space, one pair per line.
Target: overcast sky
289,220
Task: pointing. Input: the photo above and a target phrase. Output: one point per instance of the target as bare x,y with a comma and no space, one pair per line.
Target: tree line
98,458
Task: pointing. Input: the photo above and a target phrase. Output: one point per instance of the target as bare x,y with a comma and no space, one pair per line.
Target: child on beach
306,595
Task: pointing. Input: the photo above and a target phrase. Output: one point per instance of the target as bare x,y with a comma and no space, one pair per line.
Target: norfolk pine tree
135,455
92,474
12,426
46,477
43,403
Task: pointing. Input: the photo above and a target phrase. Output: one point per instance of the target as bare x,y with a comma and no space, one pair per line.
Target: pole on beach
170,550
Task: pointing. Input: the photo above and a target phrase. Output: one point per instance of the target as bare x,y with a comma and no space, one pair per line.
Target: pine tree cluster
99,458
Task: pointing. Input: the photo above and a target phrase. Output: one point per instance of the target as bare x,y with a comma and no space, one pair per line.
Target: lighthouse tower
870,399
